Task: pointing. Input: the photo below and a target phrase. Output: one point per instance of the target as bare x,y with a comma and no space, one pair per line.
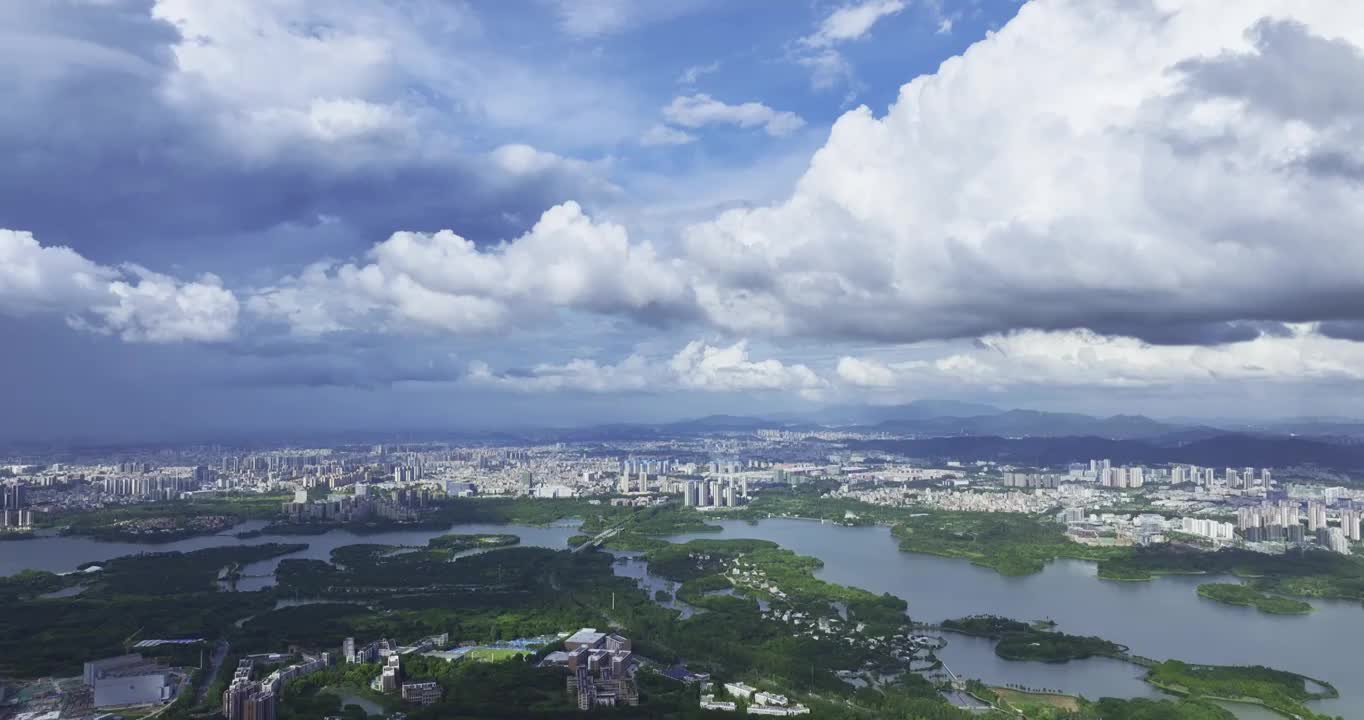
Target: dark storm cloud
1343,329
1294,72
364,372
1340,164
1209,333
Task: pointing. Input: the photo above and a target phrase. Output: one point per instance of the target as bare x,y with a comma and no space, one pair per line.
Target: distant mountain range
875,414
1030,437
1223,450
951,418
1033,423
933,419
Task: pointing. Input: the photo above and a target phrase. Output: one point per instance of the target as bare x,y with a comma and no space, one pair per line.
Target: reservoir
57,553
1163,618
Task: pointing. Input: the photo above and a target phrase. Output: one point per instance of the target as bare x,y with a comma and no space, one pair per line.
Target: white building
1204,527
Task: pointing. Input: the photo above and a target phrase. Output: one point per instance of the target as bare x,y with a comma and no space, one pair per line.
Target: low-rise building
778,710
128,680
422,693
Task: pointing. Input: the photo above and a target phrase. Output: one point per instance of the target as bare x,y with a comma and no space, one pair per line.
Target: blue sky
274,215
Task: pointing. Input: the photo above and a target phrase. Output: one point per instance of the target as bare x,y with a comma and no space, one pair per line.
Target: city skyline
458,216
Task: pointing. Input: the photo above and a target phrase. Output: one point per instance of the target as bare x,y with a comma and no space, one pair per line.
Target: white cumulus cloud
851,22
664,135
704,367
701,110
158,308
442,281
133,303
1136,169
1085,358
698,366
848,23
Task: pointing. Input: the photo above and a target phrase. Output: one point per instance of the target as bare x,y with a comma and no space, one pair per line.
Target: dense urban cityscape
1244,506
619,496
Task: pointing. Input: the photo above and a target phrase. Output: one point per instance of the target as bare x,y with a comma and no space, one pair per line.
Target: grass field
493,654
1017,697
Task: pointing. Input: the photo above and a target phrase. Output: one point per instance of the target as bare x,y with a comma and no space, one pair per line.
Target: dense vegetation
810,501
1021,641
181,572
649,521
1244,595
1010,543
53,637
302,699
32,583
1304,573
463,543
131,598
531,591
1282,691
1143,709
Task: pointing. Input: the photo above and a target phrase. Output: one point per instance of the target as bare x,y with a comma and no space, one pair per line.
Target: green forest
1021,641
1247,596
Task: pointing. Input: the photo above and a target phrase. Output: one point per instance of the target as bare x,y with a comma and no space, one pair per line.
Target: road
215,662
601,537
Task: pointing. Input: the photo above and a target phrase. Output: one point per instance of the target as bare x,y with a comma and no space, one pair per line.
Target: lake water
261,574
1163,618
350,697
56,553
632,565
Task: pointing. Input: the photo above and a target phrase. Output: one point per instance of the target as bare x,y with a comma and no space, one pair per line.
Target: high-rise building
601,669
13,495
235,697
1337,542
391,675
1316,516
260,706
1350,524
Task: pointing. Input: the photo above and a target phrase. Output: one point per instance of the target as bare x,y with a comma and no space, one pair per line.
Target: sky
276,216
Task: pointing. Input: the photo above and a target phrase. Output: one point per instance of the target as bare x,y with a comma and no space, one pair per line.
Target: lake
350,697
1163,618
633,565
58,553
